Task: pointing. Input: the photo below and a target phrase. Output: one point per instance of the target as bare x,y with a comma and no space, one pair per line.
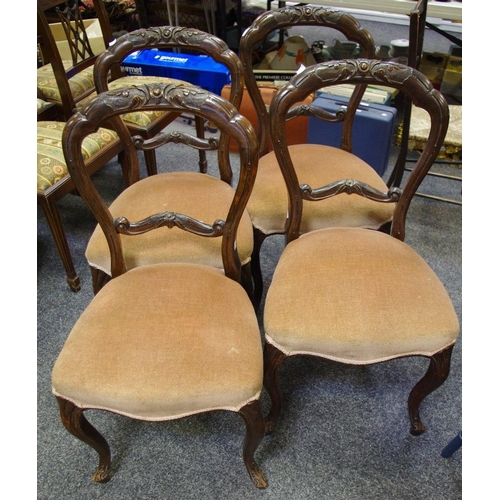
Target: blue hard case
372,134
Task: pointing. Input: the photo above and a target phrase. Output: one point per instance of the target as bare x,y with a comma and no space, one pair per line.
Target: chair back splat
66,78
370,297
168,340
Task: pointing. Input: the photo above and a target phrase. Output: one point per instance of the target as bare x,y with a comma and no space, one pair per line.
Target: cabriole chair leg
437,373
254,421
273,359
75,422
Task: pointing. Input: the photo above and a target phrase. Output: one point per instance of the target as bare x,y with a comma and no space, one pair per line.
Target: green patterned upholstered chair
54,181
69,51
63,84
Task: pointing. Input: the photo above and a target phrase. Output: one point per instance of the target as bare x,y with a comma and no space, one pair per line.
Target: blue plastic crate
199,70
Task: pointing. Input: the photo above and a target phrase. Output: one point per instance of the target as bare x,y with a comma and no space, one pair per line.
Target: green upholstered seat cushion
41,105
79,84
51,166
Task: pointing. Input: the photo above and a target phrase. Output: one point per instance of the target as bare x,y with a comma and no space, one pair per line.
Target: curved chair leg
99,279
75,422
273,359
200,133
437,373
150,158
258,239
55,224
254,421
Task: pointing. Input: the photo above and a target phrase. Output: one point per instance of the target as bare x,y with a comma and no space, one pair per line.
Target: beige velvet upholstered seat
268,205
154,377
206,197
164,340
352,294
370,311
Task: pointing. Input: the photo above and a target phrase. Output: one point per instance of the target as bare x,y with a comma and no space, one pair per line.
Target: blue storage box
372,133
199,70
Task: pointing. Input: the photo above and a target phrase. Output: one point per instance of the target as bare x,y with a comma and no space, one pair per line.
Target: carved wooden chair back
170,38
146,347
370,297
370,72
289,17
187,187
268,203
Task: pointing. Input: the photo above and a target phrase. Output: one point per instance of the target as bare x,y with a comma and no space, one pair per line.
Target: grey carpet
344,430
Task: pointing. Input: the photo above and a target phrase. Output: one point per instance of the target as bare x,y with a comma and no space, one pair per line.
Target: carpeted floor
344,430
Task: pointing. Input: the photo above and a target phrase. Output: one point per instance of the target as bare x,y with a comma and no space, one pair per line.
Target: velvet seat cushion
268,204
51,164
198,195
357,296
79,84
162,342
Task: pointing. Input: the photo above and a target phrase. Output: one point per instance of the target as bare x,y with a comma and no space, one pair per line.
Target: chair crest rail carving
174,95
361,70
170,220
175,35
304,15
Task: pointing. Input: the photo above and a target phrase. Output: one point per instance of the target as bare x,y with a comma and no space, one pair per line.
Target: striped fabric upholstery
51,166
